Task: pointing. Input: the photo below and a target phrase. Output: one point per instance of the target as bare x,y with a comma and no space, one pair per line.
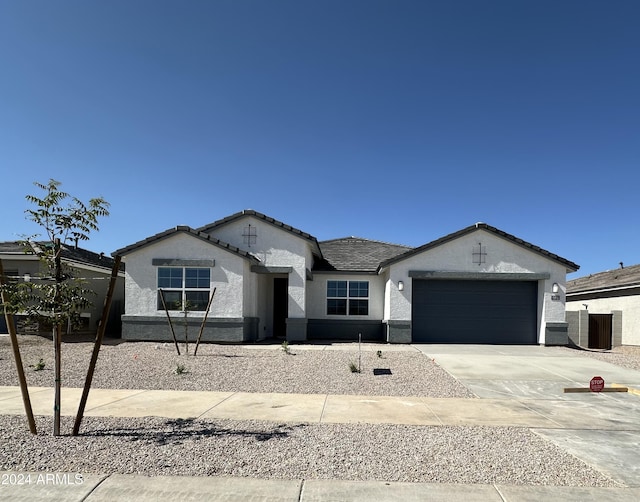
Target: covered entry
474,311
273,300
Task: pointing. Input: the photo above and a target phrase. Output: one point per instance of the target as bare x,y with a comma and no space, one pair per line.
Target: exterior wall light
555,288
400,286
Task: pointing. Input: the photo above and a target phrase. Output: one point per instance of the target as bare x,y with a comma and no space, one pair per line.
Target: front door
280,306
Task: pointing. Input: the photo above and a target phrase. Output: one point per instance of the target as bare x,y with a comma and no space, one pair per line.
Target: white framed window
347,297
184,286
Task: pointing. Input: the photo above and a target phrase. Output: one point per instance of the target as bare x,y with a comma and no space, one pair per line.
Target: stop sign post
596,384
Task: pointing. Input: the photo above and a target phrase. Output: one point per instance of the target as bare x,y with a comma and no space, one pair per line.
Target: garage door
461,311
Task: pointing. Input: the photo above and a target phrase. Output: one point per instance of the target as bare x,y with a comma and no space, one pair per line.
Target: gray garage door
497,312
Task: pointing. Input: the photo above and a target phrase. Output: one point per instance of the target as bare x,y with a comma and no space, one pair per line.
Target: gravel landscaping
261,449
154,446
306,370
626,356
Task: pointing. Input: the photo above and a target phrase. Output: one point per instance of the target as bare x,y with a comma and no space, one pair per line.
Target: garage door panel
501,312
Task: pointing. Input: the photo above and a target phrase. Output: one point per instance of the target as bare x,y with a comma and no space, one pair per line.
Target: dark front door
600,331
280,306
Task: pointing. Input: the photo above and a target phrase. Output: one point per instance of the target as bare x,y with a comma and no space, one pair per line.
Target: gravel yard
306,370
155,446
626,356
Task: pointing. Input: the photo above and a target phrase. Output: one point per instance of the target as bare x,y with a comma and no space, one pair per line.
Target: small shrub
354,367
180,369
285,347
379,354
39,366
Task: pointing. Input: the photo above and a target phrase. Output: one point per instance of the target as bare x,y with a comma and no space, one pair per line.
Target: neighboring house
478,285
603,309
20,264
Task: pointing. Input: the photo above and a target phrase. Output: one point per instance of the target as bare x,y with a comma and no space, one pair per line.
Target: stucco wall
226,276
275,247
630,307
265,307
250,295
502,256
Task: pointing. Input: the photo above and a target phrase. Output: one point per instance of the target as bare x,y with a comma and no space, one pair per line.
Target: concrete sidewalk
126,488
609,441
619,411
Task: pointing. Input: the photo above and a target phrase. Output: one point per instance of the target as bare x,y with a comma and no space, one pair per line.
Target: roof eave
187,230
604,289
268,219
569,265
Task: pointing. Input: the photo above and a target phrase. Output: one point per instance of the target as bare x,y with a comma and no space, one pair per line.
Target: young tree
56,297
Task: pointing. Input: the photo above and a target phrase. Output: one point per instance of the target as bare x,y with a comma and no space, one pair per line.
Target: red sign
596,384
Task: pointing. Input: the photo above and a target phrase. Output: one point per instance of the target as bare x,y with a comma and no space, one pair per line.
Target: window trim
183,289
350,286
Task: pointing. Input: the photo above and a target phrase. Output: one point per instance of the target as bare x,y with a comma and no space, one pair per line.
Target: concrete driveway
525,372
602,429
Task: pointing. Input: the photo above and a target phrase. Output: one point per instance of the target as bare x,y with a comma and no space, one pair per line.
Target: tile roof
472,228
69,253
250,212
12,247
623,277
348,254
355,254
184,229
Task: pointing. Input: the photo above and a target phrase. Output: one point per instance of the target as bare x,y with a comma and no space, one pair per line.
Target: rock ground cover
626,356
156,446
232,368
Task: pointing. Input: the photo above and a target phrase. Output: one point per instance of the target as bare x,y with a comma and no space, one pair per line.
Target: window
347,298
182,285
11,275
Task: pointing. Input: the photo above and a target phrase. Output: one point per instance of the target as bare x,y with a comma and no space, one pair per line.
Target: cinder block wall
616,328
578,327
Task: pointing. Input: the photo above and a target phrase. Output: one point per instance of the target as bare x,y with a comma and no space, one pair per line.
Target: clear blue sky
395,120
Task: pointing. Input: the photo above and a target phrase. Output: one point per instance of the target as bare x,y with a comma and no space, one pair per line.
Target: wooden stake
98,343
206,313
605,389
11,327
173,334
57,340
57,350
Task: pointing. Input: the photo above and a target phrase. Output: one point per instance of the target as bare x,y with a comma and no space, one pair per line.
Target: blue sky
397,120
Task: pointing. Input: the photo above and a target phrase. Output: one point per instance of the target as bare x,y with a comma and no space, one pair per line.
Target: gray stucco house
603,309
477,285
20,263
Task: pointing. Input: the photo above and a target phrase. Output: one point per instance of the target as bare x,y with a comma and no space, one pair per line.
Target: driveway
524,371
602,429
